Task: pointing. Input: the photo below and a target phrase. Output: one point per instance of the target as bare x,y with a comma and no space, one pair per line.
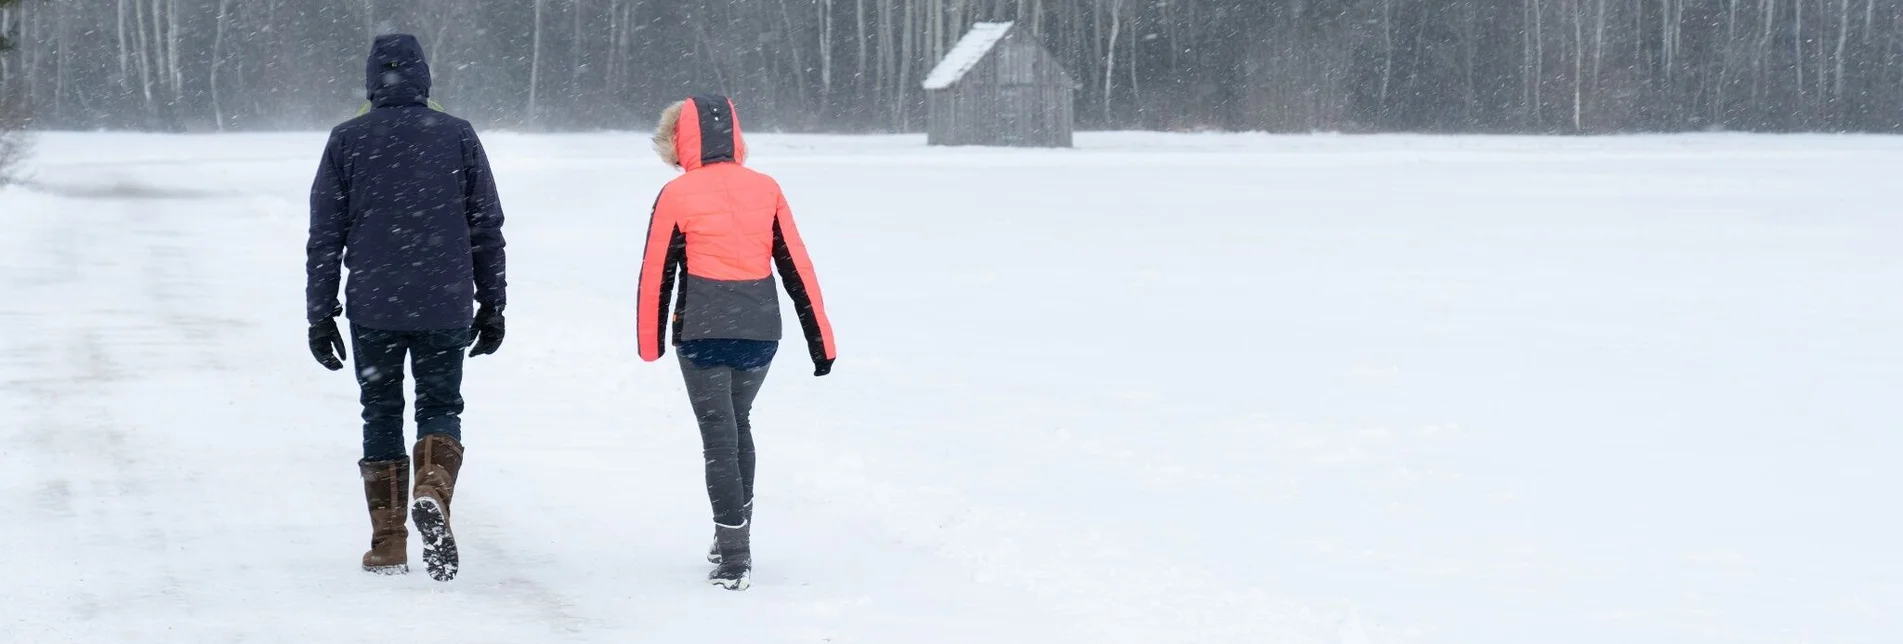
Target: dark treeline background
855,65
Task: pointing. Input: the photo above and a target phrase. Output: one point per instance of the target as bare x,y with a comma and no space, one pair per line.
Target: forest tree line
1541,66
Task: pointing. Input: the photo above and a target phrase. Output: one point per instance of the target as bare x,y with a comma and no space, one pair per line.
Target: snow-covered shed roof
966,54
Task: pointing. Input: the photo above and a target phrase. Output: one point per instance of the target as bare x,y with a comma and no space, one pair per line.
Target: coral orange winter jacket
726,227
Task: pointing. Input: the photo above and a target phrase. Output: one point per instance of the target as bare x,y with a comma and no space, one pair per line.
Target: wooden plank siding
1017,96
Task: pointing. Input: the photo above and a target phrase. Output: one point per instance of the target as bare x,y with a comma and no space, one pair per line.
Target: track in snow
1158,389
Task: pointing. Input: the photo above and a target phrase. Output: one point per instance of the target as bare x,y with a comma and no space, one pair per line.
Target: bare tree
826,55
1387,52
1110,56
1843,39
535,65
217,61
1579,66
15,143
1447,65
863,40
144,59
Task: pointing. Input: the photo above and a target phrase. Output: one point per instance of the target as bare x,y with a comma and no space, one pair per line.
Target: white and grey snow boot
713,549
735,571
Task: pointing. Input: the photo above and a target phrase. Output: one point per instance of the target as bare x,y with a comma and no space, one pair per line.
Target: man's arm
330,229
485,226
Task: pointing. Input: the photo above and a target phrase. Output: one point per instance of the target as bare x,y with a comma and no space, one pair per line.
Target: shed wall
1017,96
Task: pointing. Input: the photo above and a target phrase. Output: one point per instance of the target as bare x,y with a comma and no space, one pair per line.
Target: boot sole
744,582
388,571
439,544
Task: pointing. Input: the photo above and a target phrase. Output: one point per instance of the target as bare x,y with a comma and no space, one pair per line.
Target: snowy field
1158,389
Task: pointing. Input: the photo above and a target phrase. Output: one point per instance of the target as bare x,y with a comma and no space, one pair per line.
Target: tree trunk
535,66
218,61
888,57
1666,51
125,54
172,47
907,47
1767,12
860,72
62,53
1136,86
1539,64
1843,39
617,46
1721,105
145,66
825,58
1110,58
799,61
1387,56
1599,44
1869,18
1579,67
578,53
1797,45
1470,58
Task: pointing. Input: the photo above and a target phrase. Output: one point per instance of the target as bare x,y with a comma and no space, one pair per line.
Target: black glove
327,344
822,367
488,331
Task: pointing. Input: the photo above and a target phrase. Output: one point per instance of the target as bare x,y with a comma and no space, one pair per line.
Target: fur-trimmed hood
700,131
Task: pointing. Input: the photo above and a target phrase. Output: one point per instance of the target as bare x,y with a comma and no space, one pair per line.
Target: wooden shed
998,86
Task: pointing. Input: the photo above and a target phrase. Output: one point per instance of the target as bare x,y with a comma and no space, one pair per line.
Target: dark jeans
723,400
437,357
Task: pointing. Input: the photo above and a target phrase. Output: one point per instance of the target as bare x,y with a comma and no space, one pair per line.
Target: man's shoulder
452,119
347,127
357,125
451,123
387,120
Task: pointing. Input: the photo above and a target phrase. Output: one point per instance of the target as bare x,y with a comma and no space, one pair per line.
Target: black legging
723,398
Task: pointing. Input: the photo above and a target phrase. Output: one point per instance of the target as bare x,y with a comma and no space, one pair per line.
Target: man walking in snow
404,199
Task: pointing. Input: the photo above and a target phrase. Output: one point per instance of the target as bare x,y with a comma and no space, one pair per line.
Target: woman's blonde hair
665,132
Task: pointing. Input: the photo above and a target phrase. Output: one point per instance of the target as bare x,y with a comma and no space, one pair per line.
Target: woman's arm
796,270
666,252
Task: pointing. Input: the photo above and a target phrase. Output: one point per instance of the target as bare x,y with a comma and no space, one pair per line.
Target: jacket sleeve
665,254
802,284
330,229
485,226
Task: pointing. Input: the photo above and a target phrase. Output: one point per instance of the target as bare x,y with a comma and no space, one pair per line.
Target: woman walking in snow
726,227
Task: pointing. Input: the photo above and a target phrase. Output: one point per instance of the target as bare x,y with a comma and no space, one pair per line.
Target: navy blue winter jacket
404,199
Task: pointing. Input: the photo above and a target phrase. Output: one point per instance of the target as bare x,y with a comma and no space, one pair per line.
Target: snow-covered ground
1336,390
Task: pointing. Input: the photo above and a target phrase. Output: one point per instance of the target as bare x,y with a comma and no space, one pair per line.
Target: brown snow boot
438,459
386,488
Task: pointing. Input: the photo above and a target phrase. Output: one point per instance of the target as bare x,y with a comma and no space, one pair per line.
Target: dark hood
397,73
